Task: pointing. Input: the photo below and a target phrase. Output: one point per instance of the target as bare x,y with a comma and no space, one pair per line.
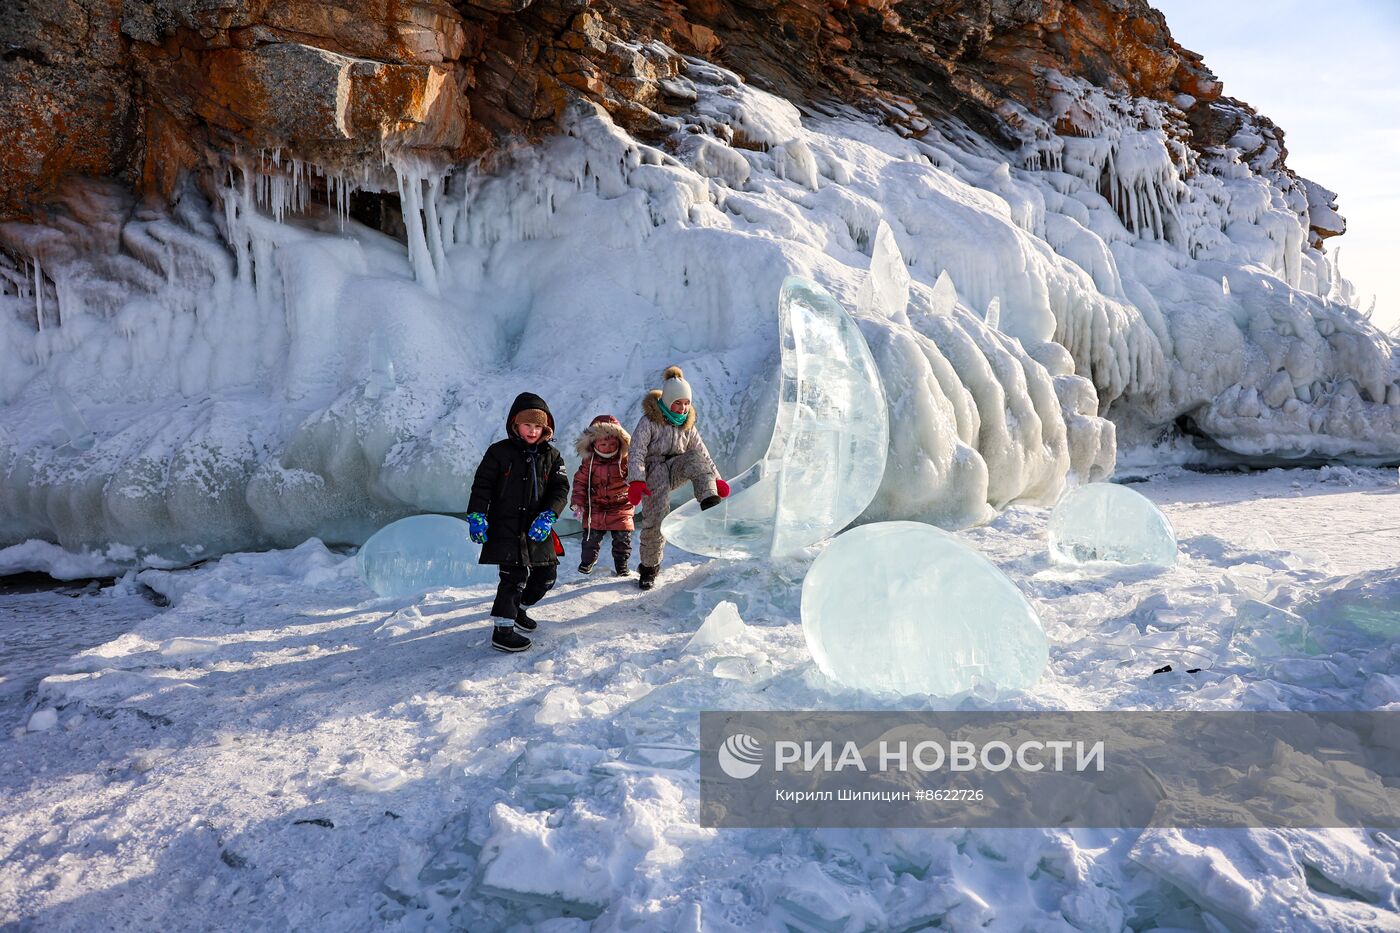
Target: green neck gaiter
674,418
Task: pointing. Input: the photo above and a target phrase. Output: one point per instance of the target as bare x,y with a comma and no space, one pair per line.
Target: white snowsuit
665,456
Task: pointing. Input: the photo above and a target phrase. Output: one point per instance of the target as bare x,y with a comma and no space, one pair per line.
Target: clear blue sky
1329,75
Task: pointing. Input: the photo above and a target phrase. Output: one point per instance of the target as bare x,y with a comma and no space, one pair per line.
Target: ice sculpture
1105,521
905,607
827,455
421,552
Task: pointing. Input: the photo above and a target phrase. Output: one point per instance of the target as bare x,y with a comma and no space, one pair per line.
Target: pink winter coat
600,483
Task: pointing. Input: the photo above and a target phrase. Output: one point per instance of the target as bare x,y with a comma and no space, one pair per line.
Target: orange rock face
142,90
67,102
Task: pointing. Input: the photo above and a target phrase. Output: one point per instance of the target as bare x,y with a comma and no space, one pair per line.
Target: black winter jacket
514,483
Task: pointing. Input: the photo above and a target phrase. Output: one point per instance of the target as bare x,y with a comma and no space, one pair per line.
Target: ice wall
230,353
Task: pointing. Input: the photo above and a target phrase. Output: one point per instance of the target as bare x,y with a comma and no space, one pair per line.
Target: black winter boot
648,576
524,622
506,638
622,570
587,567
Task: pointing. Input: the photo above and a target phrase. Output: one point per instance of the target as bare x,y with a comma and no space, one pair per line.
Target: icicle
80,436
993,315
434,228
39,293
945,295
58,301
419,256
1225,286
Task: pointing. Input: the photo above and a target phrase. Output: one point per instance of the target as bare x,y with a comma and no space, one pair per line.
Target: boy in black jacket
519,490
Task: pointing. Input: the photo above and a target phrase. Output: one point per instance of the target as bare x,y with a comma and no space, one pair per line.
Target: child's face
680,406
607,445
529,433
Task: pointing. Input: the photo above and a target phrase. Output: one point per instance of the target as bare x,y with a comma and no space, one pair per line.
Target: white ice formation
229,351
827,454
1108,522
905,608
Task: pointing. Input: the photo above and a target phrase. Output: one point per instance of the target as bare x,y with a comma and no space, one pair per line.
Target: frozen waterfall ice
827,455
904,607
421,552
1108,522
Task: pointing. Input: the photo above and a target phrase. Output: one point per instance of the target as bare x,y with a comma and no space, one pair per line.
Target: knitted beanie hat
532,416
673,386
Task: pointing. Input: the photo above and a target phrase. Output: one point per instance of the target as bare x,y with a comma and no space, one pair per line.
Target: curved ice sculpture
905,607
830,438
1105,521
421,552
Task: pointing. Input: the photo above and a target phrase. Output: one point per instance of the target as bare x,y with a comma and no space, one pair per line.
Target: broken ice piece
722,625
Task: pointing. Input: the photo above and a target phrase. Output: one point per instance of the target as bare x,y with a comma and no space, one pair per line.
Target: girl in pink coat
600,493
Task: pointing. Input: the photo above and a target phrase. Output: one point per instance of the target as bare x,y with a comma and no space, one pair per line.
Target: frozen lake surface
280,748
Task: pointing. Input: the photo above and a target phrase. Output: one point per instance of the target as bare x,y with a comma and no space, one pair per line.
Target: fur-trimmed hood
603,426
651,407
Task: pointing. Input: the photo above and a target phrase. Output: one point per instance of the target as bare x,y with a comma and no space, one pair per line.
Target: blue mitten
476,527
539,528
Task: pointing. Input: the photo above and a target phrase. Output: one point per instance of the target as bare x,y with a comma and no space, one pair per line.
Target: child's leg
508,593
621,548
655,507
541,580
592,544
699,470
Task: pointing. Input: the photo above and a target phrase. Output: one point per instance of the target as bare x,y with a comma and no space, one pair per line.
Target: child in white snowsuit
667,451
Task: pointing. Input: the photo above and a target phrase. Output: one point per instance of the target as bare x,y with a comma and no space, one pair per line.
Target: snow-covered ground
279,749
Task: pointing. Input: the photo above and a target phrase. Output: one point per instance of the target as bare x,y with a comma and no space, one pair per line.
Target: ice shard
80,436
830,438
886,290
1108,522
381,378
421,552
945,295
906,608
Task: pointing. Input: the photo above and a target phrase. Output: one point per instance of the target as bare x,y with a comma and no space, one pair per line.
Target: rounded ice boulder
421,552
1108,522
904,607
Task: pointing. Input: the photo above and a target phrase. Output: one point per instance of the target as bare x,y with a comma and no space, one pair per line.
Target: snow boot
622,570
524,622
710,502
648,576
588,567
506,638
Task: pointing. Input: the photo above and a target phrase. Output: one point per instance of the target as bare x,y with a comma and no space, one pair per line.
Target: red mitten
722,488
635,491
